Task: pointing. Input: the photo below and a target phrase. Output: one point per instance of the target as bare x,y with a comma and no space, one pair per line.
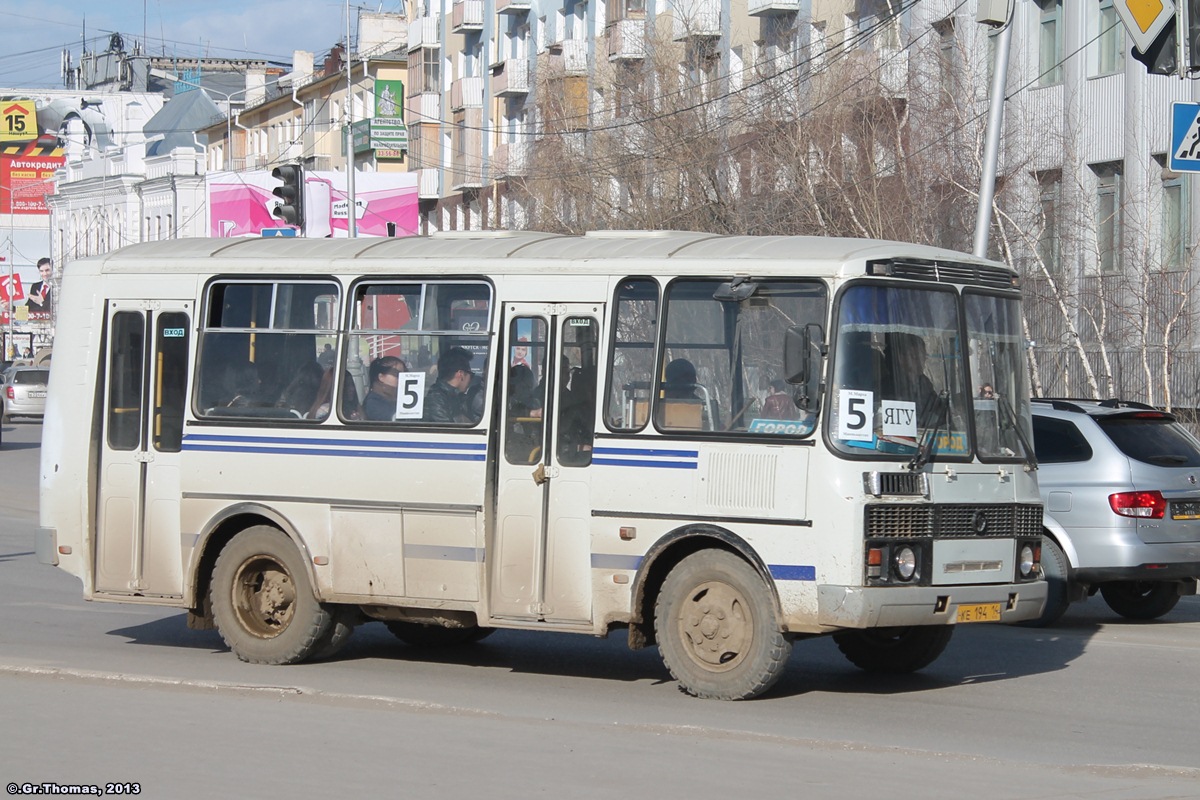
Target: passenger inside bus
446,400
577,417
324,403
384,375
243,386
524,416
301,393
907,359
686,403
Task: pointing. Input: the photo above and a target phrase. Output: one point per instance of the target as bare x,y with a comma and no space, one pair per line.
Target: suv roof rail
1060,403
1076,403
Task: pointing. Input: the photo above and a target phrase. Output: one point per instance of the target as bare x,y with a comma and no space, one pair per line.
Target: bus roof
511,251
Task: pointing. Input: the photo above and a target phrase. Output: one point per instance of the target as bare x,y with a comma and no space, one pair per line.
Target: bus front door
138,549
540,559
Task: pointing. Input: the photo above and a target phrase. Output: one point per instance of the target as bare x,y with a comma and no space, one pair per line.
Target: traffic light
1192,9
1161,57
291,210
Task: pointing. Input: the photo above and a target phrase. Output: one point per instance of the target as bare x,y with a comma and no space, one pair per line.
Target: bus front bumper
889,606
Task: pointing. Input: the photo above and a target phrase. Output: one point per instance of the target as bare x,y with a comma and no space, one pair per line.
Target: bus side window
577,392
635,330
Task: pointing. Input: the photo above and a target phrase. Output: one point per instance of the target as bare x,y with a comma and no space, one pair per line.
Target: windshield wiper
940,406
1010,417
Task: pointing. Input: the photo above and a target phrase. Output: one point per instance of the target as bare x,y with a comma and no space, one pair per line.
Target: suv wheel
1140,599
1054,570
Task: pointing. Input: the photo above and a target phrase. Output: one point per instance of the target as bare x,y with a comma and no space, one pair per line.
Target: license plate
979,612
37,394
1188,510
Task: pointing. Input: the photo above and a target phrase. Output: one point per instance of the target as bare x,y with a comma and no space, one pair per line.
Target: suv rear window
27,376
1152,440
1058,441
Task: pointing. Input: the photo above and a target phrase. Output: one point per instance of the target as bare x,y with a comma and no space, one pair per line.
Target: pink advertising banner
240,203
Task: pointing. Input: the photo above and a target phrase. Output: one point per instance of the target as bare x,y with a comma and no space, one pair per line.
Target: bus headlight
1028,561
906,563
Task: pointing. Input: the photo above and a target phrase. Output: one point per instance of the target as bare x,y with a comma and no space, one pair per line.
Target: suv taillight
8,390
1146,505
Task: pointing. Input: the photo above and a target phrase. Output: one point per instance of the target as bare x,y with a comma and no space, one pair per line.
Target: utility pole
351,205
996,13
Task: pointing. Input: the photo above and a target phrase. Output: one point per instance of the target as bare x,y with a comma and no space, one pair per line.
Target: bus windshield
898,373
1001,385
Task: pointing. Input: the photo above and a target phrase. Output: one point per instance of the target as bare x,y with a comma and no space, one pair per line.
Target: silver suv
1121,485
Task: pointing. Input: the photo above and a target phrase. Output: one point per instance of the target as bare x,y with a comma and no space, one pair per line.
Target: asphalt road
93,693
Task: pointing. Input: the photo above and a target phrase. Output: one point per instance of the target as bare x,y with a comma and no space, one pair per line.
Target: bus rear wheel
716,629
263,601
894,650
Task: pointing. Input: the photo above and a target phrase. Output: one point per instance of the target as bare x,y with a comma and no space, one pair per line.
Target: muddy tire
1056,571
894,650
263,601
345,620
716,628
420,635
1140,599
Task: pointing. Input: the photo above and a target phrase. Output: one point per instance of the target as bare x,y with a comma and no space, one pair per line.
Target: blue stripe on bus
613,561
613,462
654,458
205,437
624,451
443,553
792,572
309,451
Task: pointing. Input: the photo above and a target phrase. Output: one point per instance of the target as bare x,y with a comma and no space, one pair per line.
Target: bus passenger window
635,329
577,391
416,323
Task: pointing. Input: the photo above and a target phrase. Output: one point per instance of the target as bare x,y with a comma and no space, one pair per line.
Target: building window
1110,40
627,9
1049,244
1175,212
1050,42
1108,216
949,69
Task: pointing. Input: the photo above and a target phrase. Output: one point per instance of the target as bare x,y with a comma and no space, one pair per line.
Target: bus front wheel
263,601
716,630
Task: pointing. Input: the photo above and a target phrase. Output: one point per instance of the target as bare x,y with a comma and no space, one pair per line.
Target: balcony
467,16
575,56
511,78
762,8
425,108
429,183
626,39
511,159
466,93
893,73
466,160
423,33
697,18
512,6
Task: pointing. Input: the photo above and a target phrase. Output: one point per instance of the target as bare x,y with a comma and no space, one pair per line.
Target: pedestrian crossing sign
1185,137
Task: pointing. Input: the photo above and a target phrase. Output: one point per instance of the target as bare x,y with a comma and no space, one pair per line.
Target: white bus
721,444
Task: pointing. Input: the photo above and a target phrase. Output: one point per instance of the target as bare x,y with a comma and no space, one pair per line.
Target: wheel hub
716,626
264,597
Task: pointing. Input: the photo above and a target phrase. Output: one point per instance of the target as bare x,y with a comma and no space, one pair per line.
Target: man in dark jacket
446,399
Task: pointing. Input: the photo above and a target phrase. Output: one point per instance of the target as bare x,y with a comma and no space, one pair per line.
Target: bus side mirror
803,351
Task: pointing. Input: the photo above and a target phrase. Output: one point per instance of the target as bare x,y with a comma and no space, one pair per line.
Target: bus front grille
887,520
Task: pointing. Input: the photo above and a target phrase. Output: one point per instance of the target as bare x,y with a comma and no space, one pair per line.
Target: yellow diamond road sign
1145,19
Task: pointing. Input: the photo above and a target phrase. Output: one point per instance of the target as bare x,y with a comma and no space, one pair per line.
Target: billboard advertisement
240,203
29,154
